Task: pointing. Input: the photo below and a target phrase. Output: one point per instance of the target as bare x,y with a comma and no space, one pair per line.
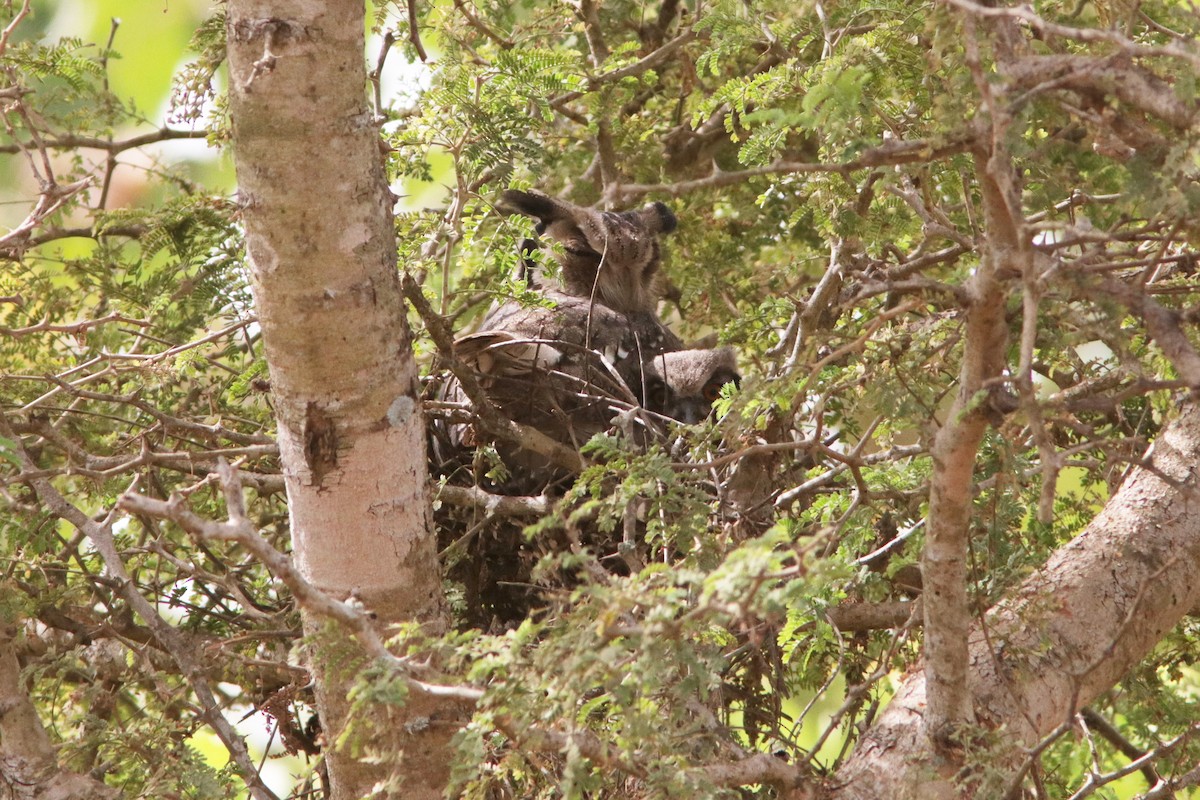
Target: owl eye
657,396
712,390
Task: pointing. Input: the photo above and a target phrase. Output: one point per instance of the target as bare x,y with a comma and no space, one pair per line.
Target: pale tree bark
1068,634
29,765
956,444
317,213
951,493
1005,253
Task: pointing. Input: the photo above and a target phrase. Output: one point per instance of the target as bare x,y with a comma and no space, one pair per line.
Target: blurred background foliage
129,351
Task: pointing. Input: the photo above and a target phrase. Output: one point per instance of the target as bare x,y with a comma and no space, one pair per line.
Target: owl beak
692,412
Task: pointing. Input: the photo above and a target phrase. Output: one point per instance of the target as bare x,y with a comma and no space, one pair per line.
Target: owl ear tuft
534,204
659,218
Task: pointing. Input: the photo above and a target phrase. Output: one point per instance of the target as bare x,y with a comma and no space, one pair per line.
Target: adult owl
566,371
608,256
565,368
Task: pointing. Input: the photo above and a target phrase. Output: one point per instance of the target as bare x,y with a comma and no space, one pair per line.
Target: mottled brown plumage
608,256
565,370
684,384
568,367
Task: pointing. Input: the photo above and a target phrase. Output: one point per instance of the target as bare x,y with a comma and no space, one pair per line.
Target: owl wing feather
565,369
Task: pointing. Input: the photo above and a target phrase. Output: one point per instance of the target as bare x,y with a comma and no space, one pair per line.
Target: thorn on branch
238,528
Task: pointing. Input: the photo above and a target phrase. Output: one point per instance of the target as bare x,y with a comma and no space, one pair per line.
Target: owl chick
613,257
684,384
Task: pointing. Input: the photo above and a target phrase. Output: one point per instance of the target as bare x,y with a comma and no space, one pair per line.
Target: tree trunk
319,232
1069,633
29,768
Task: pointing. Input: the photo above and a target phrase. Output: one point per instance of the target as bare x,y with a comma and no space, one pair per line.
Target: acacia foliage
822,160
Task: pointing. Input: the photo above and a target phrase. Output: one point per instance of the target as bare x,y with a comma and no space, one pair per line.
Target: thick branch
1026,14
1064,637
28,762
238,528
873,616
944,559
496,505
759,768
589,13
1162,324
101,536
1129,83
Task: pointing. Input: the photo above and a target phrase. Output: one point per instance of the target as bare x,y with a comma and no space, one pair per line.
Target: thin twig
240,529
101,536
496,423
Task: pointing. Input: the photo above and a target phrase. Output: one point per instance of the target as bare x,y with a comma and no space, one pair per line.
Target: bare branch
101,536
376,75
854,617
1130,84
1162,324
943,561
497,505
495,422
645,63
414,31
76,141
481,26
45,326
1096,780
1025,13
755,768
762,768
238,528
18,17
892,153
1127,748
589,13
